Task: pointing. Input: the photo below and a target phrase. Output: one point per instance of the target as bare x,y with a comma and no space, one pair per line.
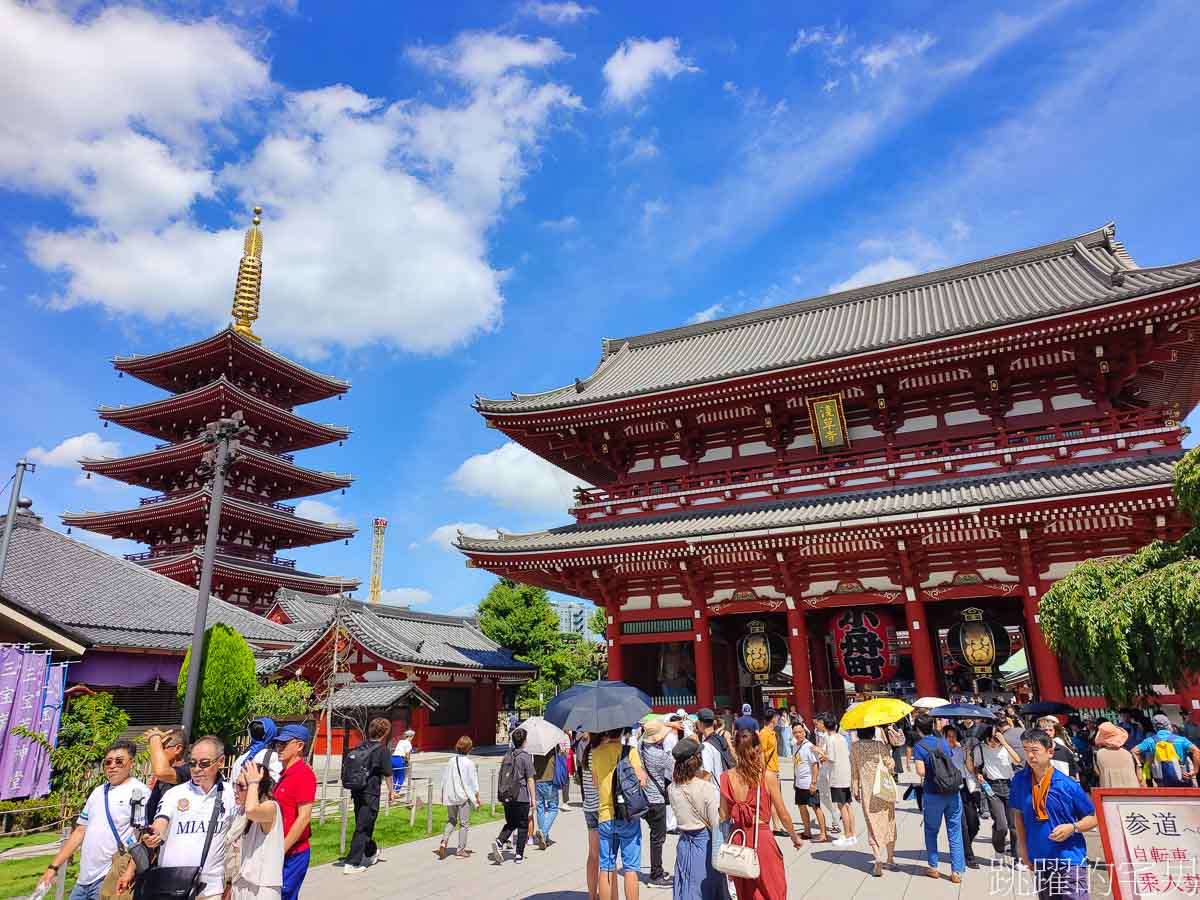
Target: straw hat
654,731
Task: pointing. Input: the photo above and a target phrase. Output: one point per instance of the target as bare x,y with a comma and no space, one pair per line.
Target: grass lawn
389,830
25,840
19,876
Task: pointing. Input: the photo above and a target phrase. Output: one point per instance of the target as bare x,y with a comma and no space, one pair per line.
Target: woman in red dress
743,788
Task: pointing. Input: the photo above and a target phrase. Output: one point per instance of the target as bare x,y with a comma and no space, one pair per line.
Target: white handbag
885,785
741,860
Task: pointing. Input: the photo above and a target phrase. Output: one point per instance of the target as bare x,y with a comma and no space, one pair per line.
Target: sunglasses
200,763
117,761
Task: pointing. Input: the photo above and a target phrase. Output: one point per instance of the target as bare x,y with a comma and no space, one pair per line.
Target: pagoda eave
200,406
228,351
239,573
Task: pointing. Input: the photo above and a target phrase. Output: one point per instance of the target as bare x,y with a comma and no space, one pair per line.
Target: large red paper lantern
864,641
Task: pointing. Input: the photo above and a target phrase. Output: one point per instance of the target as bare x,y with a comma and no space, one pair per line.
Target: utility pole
23,466
223,435
337,637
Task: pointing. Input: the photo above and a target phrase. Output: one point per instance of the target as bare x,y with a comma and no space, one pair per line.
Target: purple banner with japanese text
56,683
17,757
10,673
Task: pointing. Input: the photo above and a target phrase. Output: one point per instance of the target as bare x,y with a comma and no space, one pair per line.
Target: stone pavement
817,872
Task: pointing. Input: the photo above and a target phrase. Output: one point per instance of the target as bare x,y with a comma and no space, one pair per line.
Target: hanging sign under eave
827,416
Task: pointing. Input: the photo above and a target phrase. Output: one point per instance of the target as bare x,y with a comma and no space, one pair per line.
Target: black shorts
839,795
805,797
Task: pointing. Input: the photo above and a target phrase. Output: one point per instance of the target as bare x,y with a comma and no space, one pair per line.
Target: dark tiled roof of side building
395,633
1065,276
112,602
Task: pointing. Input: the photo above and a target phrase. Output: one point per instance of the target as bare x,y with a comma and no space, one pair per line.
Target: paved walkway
817,872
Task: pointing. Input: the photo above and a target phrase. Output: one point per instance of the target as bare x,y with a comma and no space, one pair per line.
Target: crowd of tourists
192,832
715,784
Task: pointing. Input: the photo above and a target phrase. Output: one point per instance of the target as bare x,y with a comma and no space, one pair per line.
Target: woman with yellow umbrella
872,774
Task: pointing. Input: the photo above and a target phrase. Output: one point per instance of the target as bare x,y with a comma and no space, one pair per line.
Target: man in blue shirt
1167,772
1050,813
938,805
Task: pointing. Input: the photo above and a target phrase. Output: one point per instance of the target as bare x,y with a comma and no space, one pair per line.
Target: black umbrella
1046,708
598,706
962,711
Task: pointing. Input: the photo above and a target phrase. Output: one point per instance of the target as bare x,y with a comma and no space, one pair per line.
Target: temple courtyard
817,872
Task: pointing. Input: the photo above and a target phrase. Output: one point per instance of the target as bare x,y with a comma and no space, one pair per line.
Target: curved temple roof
869,507
1069,275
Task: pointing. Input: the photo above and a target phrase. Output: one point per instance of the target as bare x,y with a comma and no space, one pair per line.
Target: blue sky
465,198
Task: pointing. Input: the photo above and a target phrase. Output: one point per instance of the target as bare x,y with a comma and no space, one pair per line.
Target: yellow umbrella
880,711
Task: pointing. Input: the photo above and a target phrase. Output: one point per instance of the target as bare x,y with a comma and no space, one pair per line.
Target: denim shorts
625,837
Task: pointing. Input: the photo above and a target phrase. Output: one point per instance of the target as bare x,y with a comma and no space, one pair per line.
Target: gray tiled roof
849,509
111,601
1067,275
400,634
377,694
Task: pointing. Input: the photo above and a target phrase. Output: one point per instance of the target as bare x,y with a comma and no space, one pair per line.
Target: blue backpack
560,771
629,800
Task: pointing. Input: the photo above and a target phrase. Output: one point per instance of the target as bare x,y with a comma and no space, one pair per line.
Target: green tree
597,622
227,684
290,699
1126,624
520,618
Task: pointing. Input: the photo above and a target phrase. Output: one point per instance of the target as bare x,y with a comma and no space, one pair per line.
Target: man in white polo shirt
122,797
185,813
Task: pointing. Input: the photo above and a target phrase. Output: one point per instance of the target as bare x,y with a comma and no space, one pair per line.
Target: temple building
226,374
873,487
437,674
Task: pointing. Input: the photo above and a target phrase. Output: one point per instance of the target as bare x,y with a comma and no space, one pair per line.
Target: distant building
572,617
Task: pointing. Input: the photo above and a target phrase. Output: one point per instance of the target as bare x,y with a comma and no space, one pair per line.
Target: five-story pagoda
229,372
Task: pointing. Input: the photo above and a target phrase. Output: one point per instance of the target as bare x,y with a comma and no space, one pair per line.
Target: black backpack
629,800
944,774
728,760
358,766
508,788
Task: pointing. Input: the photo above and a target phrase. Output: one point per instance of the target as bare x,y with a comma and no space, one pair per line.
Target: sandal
441,851
461,854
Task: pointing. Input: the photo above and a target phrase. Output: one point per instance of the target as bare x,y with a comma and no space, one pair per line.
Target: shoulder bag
885,785
741,860
183,882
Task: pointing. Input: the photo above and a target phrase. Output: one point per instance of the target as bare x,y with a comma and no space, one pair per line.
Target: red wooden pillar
616,670
802,687
703,653
819,664
1047,676
921,642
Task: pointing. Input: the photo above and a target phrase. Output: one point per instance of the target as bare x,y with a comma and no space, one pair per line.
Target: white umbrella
541,736
930,702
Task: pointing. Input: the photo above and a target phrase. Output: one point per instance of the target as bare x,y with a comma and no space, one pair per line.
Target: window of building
453,706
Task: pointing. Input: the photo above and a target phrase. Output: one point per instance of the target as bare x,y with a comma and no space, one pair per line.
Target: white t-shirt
838,751
711,761
189,811
803,762
403,747
95,857
997,764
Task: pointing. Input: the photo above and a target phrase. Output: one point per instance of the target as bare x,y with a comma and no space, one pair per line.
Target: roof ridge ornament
247,290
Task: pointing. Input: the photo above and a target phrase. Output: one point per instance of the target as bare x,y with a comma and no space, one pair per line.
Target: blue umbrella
962,711
598,706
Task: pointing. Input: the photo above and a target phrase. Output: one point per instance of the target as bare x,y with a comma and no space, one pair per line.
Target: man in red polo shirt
295,794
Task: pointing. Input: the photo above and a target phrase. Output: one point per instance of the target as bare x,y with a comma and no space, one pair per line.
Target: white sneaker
497,854
373,860
353,870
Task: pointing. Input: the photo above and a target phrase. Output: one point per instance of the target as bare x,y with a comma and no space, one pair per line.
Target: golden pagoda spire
249,281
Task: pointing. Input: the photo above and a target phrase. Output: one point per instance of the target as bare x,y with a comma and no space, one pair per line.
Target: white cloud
888,55
820,35
566,223
651,210
830,85
385,206
873,273
321,512
558,13
635,65
516,479
444,536
959,230
706,315
635,147
405,596
67,453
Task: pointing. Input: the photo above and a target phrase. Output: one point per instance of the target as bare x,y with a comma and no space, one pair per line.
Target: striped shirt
591,799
